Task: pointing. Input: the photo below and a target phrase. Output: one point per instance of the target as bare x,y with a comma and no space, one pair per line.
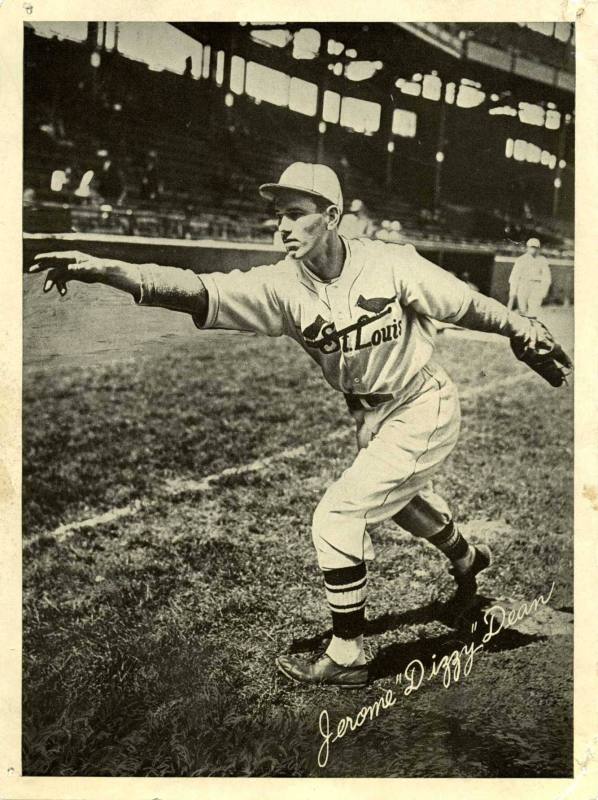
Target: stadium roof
504,57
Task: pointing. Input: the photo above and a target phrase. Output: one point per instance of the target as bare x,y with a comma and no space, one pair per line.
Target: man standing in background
530,280
357,222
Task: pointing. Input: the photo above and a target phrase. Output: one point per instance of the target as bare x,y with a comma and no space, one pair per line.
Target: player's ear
334,217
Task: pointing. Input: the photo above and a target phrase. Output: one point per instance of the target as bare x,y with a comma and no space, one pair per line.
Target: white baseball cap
533,242
316,180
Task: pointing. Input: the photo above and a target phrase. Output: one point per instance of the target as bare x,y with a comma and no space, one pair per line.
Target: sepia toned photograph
297,399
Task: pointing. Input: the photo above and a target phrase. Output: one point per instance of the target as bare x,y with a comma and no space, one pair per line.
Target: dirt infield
149,640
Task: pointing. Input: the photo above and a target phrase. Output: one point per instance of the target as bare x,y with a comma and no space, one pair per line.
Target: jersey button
356,380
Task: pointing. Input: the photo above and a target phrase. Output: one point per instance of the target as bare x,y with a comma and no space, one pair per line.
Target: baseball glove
538,349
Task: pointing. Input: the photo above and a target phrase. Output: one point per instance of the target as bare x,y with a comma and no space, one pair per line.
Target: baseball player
530,280
363,310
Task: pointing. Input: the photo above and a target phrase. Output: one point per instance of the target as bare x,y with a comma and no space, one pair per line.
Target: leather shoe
322,670
467,586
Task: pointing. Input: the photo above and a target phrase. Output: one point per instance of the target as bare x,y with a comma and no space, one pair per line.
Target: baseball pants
529,298
402,444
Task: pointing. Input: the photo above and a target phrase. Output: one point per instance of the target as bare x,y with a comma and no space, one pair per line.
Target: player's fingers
44,261
38,267
70,255
56,277
61,286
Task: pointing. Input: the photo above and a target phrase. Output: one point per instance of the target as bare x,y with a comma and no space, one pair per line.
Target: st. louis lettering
359,345
386,334
331,340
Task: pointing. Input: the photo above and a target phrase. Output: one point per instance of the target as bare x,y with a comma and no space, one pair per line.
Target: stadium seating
209,165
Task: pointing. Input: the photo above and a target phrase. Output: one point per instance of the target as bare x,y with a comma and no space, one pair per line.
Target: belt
356,402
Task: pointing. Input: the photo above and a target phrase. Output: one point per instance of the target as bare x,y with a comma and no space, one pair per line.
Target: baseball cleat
467,585
322,670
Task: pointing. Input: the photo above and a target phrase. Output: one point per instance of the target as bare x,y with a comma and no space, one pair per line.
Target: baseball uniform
371,333
529,282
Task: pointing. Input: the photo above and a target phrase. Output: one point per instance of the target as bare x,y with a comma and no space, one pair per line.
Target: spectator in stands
84,190
530,280
52,126
512,229
428,218
151,187
357,222
394,234
110,182
186,226
383,231
29,197
60,182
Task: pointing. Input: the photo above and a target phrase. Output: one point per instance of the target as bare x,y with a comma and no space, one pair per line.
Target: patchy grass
149,643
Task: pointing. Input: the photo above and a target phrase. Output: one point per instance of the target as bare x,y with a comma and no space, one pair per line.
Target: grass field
150,639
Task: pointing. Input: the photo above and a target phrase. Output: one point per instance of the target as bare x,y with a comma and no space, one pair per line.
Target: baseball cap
316,180
533,242
356,205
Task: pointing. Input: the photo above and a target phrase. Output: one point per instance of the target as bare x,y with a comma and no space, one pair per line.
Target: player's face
533,250
302,227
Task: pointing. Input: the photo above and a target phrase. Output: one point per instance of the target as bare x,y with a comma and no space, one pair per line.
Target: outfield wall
200,256
561,291
478,264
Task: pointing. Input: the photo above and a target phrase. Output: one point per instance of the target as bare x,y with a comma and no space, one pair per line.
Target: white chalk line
176,487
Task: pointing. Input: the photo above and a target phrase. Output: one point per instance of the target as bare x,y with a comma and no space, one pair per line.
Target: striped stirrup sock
450,542
346,593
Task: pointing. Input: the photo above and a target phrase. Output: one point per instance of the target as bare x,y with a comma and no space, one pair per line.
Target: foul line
177,487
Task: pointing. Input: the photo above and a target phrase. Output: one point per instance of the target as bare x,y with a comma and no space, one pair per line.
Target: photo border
585,782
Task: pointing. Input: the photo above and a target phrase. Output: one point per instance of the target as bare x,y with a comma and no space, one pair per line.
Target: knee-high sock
346,593
454,545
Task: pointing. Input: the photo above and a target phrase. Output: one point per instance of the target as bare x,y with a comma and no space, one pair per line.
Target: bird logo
310,333
374,304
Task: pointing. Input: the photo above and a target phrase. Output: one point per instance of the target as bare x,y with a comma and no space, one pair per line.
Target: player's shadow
432,612
468,627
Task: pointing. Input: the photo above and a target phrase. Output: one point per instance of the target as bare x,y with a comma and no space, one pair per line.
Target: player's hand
64,266
537,348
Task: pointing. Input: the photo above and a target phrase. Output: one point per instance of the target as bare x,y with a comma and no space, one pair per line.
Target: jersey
369,329
528,269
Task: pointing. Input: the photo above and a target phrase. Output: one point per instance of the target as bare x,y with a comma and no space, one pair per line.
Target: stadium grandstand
461,133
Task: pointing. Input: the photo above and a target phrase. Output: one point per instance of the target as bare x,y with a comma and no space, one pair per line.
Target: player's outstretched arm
433,292
531,341
149,284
